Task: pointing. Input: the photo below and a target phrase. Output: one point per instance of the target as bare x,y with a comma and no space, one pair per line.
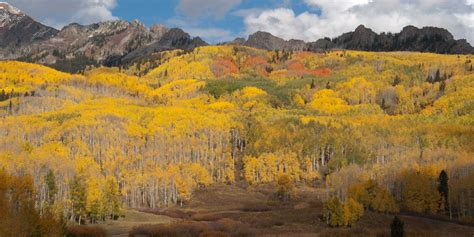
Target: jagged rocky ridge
426,39
17,30
76,46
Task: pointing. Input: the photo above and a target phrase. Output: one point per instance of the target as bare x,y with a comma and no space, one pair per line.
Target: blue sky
222,20
231,24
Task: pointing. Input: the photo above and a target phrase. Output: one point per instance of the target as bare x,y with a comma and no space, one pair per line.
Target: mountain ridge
410,38
120,42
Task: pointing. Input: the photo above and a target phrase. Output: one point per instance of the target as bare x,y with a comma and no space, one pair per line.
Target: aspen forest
373,133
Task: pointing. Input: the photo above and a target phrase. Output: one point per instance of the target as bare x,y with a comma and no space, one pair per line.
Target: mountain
426,39
18,29
108,43
264,40
119,42
172,39
76,46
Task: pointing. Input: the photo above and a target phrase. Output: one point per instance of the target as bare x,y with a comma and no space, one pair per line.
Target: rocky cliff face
17,30
76,46
172,39
427,39
99,42
264,40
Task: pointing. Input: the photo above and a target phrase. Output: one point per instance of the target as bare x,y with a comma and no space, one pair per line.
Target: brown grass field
240,210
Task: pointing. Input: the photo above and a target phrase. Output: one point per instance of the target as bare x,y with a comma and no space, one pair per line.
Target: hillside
369,130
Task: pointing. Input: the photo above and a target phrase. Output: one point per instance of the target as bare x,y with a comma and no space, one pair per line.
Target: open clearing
256,210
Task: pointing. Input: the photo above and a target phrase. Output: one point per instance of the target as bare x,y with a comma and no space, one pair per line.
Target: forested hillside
376,129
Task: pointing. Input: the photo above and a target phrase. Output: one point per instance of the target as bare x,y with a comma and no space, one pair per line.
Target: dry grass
224,227
170,212
85,231
222,210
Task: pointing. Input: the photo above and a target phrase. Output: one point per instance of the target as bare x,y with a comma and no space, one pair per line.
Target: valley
118,128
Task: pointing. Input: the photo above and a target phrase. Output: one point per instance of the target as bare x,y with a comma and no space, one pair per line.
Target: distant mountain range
120,42
426,39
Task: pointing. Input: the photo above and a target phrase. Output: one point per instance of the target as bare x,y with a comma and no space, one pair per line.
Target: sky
223,20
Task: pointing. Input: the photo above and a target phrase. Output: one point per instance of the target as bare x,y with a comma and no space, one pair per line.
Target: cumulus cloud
206,8
58,13
336,17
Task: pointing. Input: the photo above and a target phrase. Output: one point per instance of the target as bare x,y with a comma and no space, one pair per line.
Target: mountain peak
362,28
9,8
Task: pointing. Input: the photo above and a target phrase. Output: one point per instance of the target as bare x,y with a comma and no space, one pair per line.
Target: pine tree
10,107
396,81
397,227
112,199
443,188
51,184
437,76
78,199
3,96
442,86
313,85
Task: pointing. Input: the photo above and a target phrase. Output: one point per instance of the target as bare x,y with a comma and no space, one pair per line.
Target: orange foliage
224,66
259,63
322,72
296,67
256,60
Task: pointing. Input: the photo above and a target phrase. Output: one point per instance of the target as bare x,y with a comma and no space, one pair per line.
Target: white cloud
206,8
337,17
58,13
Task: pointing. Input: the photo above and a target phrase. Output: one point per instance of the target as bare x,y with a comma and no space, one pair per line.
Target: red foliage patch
297,68
259,63
322,72
256,61
224,66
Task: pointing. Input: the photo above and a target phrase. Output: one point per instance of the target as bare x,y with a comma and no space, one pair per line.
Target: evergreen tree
328,85
3,96
111,198
443,187
442,86
437,76
396,81
78,199
10,107
313,85
397,227
51,184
